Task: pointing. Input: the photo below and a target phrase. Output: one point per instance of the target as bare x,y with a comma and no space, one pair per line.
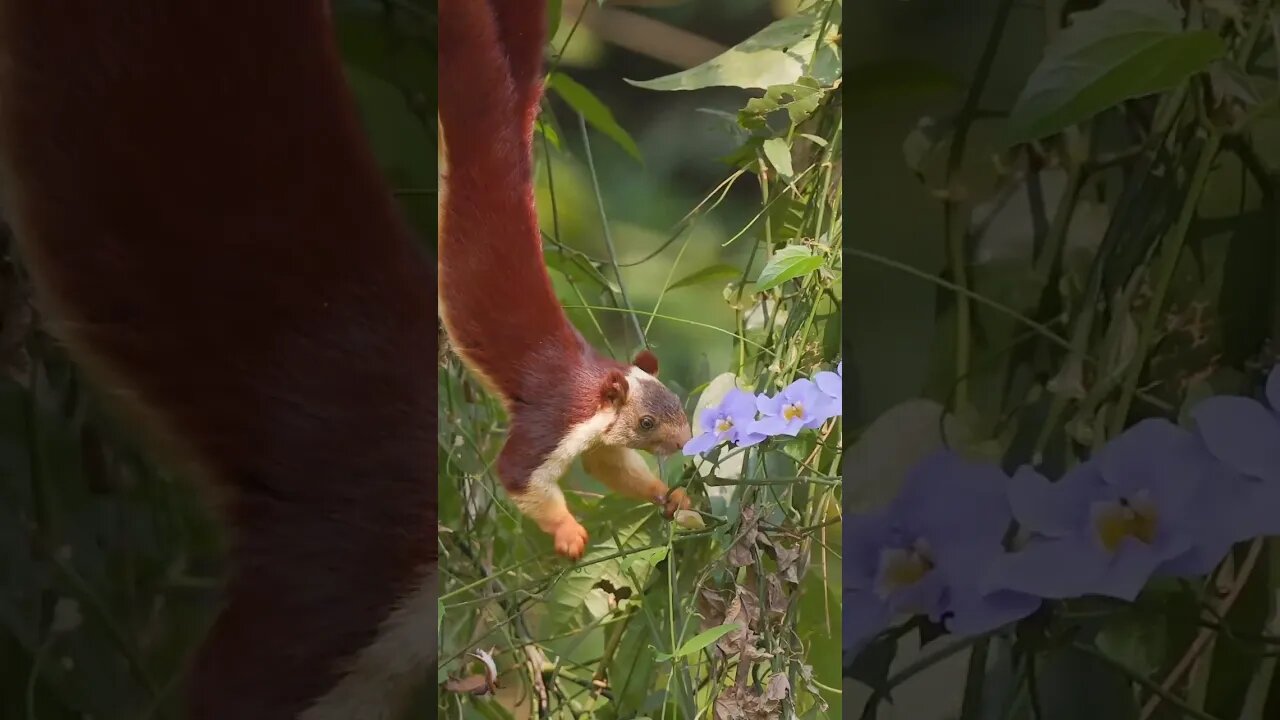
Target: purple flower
1245,435
927,551
832,385
800,406
730,420
1152,501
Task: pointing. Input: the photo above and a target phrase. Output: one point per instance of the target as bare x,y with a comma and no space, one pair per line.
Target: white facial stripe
638,382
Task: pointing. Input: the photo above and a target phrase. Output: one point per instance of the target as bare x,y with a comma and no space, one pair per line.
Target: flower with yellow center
793,411
798,406
1135,518
903,568
927,550
1135,509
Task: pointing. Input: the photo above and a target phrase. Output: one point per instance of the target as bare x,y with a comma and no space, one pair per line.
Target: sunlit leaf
777,55
788,263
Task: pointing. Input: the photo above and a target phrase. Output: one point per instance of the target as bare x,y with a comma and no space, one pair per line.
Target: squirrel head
650,416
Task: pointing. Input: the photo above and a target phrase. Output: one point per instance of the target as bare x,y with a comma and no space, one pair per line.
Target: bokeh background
110,566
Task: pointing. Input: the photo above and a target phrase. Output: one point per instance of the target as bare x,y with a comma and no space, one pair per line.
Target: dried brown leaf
471,684
740,553
777,597
777,687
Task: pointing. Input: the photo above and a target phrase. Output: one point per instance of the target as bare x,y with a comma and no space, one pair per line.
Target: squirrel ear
647,362
614,389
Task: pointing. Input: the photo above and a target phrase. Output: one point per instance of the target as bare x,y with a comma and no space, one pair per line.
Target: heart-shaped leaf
1121,50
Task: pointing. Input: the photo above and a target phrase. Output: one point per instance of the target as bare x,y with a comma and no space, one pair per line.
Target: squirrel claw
675,500
570,539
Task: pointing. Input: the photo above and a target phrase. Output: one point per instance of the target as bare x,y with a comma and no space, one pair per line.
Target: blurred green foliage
699,192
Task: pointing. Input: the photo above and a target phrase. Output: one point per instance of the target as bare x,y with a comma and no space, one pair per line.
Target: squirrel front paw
675,500
570,538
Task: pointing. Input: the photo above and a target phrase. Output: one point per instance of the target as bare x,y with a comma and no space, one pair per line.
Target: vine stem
1164,279
604,228
955,217
1144,681
1202,638
1166,116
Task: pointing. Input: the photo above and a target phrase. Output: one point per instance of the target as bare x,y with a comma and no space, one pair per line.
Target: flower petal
747,438
1159,457
829,383
1258,511
973,614
864,537
1273,389
1055,569
701,443
923,598
950,499
865,615
738,403
1054,509
1129,570
768,426
1241,433
769,405
707,419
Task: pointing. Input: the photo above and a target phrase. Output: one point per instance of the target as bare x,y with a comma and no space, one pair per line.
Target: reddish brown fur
192,189
498,302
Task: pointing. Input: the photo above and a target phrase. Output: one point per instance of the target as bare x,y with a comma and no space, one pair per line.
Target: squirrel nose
682,436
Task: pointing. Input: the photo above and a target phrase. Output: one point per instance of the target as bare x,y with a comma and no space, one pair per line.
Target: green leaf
788,263
779,154
1137,640
777,55
593,110
548,132
711,273
799,99
700,641
575,266
1122,50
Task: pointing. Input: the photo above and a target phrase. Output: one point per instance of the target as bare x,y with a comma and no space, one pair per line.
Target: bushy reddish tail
193,193
496,298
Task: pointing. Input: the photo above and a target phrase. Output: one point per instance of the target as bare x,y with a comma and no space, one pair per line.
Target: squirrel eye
646,422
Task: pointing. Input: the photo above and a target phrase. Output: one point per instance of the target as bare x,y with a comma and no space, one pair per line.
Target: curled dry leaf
740,553
481,684
777,687
731,644
712,607
806,674
471,685
744,610
788,560
742,703
777,598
